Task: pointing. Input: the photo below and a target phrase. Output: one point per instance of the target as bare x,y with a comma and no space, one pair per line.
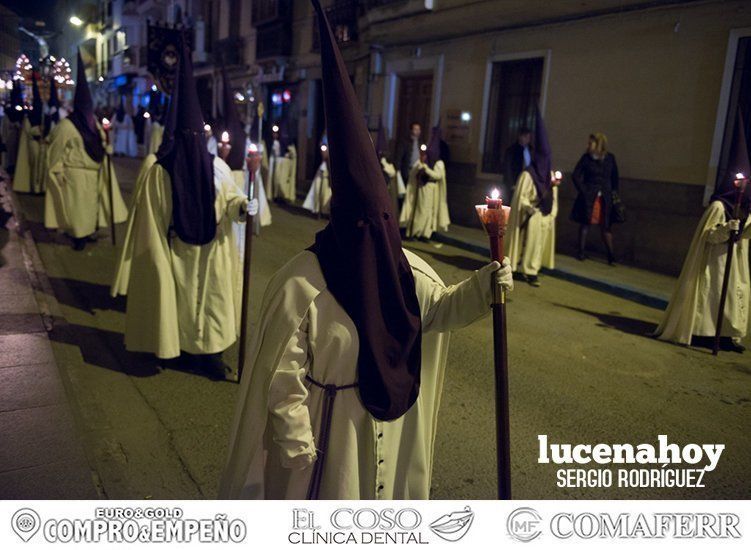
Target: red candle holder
494,217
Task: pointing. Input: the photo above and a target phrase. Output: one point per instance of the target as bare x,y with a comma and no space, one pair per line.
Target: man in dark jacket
410,151
517,157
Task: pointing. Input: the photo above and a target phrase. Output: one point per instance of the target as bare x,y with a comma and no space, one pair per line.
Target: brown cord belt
323,438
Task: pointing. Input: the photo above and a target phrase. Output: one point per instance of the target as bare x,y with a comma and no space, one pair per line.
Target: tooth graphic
25,523
453,526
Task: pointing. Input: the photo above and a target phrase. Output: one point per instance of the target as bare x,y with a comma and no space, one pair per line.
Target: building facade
659,78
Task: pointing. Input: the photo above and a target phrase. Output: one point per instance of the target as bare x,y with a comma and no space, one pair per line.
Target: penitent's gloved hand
252,207
503,275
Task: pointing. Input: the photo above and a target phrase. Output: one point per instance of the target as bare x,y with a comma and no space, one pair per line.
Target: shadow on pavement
85,295
104,348
613,320
459,262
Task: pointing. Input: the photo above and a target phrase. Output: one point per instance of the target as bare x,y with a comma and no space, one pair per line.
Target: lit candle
423,147
207,128
106,123
275,128
146,115
324,148
494,201
225,137
558,175
252,149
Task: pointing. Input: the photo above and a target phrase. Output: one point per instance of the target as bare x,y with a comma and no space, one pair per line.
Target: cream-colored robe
302,329
319,194
11,135
122,270
395,183
155,139
695,302
29,176
530,236
182,296
285,175
78,193
425,209
124,136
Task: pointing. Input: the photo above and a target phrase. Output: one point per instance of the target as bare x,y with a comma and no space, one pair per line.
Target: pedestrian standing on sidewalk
596,180
531,230
691,317
517,158
183,290
10,126
352,341
425,209
78,197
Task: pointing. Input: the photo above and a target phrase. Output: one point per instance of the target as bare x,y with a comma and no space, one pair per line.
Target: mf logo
523,524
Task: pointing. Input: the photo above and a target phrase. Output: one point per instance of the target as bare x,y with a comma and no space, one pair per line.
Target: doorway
415,103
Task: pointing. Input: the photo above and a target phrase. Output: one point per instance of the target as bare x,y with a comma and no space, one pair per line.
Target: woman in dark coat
596,179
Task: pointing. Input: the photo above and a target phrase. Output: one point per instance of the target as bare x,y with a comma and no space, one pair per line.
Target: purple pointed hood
725,191
541,165
83,117
233,125
35,114
360,251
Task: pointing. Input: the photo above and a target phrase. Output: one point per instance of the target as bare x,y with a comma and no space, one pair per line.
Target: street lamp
75,21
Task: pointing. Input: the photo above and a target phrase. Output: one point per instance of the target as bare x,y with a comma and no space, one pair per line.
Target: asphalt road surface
582,370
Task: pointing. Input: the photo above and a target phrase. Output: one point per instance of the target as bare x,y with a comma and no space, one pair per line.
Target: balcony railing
342,17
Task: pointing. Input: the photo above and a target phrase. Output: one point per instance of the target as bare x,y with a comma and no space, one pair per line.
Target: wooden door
415,101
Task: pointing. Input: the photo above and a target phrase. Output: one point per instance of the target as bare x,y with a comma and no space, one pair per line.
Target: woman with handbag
596,180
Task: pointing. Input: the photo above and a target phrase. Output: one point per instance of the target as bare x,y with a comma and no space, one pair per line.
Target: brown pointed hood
360,251
184,156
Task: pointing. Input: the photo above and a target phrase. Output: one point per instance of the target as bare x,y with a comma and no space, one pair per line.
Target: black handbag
619,209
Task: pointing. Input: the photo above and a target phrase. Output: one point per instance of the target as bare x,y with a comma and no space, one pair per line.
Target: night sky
40,9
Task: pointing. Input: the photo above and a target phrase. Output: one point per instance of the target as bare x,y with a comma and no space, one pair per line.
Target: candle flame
206,127
225,137
558,175
495,194
106,121
275,128
253,148
740,176
146,115
324,147
423,147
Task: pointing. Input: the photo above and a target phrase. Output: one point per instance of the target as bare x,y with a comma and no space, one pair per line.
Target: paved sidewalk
638,285
41,455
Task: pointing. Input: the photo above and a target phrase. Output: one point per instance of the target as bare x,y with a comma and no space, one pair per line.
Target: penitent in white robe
395,183
285,175
125,137
303,329
182,296
122,269
29,176
425,209
530,236
695,302
78,194
155,138
319,194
